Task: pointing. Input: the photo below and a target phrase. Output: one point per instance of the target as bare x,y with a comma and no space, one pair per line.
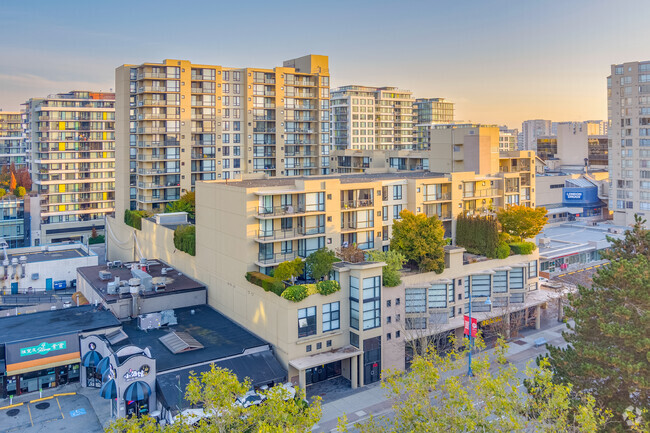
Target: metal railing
438,197
288,210
289,233
276,258
491,192
354,204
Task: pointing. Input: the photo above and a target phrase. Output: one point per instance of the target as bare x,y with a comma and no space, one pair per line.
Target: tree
421,239
522,221
93,233
609,348
394,261
12,183
24,179
3,192
319,263
185,238
478,234
215,392
186,203
20,191
351,254
433,398
635,242
289,270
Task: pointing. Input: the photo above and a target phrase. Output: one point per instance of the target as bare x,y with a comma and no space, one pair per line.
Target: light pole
471,341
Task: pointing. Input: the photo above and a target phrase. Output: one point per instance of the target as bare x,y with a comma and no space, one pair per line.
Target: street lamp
487,302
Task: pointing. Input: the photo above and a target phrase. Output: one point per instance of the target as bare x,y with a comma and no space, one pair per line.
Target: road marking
77,412
57,402
30,415
571,273
40,399
65,393
590,267
11,405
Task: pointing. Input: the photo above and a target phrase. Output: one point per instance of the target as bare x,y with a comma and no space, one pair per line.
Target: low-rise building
573,196
45,268
14,221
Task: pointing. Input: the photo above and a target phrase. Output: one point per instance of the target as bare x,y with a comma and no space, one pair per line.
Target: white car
287,390
251,398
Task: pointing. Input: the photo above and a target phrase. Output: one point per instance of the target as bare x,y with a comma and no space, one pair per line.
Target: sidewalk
374,400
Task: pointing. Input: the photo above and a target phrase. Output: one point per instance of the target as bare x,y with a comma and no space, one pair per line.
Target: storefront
39,364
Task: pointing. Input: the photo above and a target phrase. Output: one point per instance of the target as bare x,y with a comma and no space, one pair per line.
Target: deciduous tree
351,254
521,221
215,392
289,270
421,239
187,203
319,263
433,398
394,261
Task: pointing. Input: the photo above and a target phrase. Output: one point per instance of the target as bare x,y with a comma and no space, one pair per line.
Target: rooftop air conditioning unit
104,275
545,242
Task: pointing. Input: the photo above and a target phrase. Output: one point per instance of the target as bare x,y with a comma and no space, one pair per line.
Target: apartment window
500,282
236,88
438,296
236,101
396,211
308,348
397,317
306,322
331,316
328,343
388,319
388,336
532,269
236,75
415,323
517,278
397,192
226,100
415,300
354,339
397,301
481,285
451,293
236,150
226,75
397,334
384,213
388,303
226,88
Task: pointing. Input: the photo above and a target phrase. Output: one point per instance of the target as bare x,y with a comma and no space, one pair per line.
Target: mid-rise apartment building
433,110
263,222
508,139
179,123
372,118
628,108
532,129
71,141
13,147
577,144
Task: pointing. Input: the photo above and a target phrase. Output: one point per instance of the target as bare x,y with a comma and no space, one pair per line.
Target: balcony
153,185
148,89
491,192
156,75
267,130
283,211
357,225
356,204
275,259
445,196
157,157
203,117
161,130
273,235
145,144
512,190
153,172
151,116
157,102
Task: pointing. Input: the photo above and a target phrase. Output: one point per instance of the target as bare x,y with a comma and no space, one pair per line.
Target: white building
531,129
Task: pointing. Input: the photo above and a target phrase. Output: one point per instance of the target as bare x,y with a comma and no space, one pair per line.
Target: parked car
251,398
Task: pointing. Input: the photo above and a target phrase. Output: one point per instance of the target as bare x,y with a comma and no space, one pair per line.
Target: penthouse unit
179,123
71,140
372,118
433,110
13,146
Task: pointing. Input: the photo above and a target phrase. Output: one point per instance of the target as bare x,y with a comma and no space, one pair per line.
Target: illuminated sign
570,195
136,374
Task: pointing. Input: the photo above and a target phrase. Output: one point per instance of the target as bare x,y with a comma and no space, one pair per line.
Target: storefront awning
91,359
137,391
325,358
103,365
40,364
108,390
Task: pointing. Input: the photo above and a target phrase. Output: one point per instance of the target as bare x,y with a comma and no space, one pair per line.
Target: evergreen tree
609,348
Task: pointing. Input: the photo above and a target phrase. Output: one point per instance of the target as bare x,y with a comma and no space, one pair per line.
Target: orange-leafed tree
12,184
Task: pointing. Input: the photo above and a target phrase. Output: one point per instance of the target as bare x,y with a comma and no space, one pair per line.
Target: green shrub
327,287
133,218
478,235
99,239
185,239
266,282
503,250
3,192
295,293
20,191
523,248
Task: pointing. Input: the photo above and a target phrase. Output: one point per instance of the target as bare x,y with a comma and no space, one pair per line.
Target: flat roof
260,367
46,256
55,322
572,238
344,178
175,281
220,336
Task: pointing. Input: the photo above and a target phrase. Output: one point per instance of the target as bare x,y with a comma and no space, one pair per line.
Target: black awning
261,368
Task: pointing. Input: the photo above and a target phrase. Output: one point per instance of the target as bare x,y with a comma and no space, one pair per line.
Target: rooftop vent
179,342
104,275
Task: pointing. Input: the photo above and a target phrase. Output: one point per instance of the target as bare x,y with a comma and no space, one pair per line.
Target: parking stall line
30,416
57,402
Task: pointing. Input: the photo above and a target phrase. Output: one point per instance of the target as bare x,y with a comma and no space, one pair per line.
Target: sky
500,61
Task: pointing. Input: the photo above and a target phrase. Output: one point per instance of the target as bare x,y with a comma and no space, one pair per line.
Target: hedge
327,287
133,218
185,239
266,282
523,248
478,235
96,240
503,250
295,293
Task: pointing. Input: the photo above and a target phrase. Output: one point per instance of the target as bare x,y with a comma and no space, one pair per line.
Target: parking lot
71,413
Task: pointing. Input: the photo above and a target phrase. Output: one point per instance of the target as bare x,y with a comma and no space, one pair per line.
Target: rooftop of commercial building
220,337
343,178
57,322
39,254
173,280
576,237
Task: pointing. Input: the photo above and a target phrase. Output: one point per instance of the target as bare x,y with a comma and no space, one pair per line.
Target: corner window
532,269
306,322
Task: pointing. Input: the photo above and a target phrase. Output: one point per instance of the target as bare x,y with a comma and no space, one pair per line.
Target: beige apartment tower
179,123
71,142
628,107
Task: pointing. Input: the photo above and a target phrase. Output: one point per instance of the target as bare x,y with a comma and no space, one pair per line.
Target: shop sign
572,195
466,326
43,349
136,374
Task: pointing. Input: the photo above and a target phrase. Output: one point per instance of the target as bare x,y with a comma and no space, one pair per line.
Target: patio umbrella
91,359
103,365
108,390
137,391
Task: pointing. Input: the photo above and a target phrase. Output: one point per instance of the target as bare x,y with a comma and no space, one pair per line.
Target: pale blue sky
500,61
